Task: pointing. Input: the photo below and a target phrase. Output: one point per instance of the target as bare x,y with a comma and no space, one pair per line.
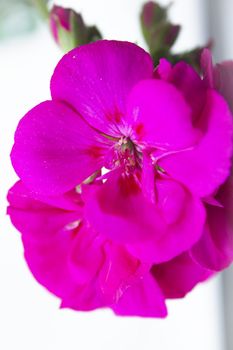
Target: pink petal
184,218
206,166
119,211
46,244
160,116
187,81
215,248
55,150
49,236
84,298
179,276
22,197
119,271
96,79
207,252
48,261
37,219
144,299
163,70
153,233
86,256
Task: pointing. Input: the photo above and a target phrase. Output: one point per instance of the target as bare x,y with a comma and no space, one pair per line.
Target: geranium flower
88,271
156,133
165,138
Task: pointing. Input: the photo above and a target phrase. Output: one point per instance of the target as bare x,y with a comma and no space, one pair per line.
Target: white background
30,318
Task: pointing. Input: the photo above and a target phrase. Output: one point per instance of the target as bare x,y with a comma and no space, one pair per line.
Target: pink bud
59,16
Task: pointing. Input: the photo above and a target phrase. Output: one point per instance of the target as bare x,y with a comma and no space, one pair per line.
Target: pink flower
165,138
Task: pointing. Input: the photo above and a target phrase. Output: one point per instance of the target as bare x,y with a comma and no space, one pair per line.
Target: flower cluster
124,196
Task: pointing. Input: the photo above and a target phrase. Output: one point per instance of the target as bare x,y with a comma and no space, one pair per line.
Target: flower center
126,155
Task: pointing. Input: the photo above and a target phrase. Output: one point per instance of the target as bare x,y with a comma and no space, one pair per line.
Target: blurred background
29,316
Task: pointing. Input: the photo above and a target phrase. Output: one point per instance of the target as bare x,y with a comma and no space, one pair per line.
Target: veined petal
55,150
160,116
206,166
96,79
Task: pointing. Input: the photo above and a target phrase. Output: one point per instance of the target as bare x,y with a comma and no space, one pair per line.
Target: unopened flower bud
69,30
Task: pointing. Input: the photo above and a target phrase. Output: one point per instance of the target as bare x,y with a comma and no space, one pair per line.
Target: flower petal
187,81
96,79
119,271
153,233
48,261
49,235
215,248
144,298
84,298
179,276
86,256
206,166
22,197
184,217
46,241
119,211
38,219
160,116
55,150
